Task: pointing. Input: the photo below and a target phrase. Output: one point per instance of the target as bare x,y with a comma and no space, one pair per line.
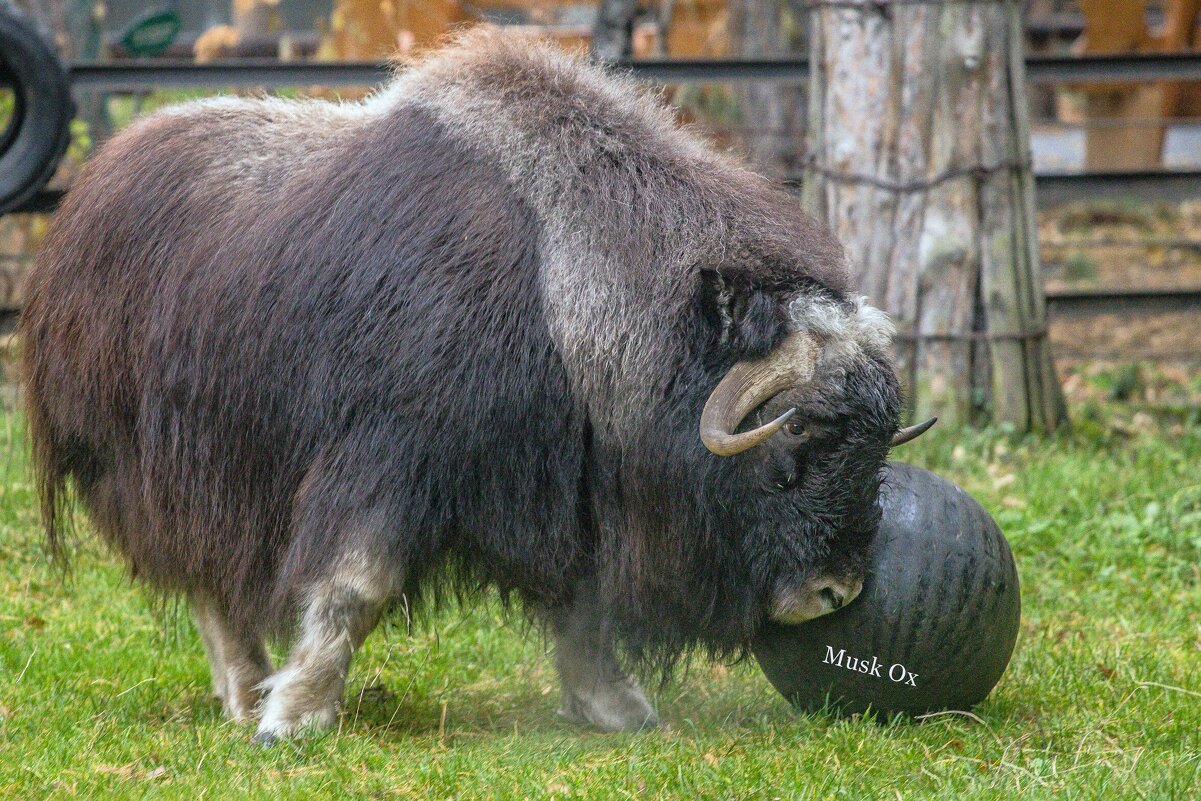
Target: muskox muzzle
816,597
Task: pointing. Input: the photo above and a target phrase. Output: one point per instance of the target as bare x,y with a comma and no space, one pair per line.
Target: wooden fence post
919,158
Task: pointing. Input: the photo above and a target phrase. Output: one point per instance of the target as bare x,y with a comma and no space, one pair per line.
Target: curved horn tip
720,443
912,432
779,422
748,385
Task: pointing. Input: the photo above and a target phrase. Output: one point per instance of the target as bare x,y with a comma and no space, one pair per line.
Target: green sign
152,34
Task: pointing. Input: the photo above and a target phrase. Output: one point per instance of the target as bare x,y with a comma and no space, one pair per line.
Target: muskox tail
48,458
50,480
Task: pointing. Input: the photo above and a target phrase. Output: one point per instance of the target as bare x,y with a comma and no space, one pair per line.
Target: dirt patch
1121,245
1132,246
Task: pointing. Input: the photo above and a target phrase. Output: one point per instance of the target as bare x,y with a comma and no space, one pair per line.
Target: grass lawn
103,695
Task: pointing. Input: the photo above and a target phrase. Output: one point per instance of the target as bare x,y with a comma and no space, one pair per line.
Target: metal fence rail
1087,303
272,74
1153,186
1040,69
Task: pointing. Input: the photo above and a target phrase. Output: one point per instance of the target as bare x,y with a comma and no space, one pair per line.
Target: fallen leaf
124,771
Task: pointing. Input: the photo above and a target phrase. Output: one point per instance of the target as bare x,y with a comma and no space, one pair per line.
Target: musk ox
503,324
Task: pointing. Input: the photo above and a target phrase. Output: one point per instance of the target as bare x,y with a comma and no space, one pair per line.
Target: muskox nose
816,597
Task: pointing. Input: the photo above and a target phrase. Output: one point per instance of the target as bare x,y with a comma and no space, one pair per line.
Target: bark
920,161
613,31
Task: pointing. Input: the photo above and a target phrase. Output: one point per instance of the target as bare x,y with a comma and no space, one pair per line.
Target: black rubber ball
935,624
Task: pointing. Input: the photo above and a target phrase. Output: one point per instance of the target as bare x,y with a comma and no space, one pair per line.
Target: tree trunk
613,32
920,161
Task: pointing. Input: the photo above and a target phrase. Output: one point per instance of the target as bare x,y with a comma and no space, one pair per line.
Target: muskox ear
746,319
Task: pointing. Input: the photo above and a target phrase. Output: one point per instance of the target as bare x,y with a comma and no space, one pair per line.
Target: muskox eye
796,428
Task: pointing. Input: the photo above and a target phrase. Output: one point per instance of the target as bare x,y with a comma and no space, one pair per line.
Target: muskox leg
595,689
238,662
340,612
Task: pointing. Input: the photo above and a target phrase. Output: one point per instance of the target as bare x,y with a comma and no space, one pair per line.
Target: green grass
102,695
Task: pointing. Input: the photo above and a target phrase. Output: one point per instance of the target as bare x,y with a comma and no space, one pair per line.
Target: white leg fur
595,690
238,663
307,691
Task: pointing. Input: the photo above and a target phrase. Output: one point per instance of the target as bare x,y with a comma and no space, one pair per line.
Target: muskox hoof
616,706
273,725
311,723
264,739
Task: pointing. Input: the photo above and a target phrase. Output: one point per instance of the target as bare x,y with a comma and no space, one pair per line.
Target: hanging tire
40,126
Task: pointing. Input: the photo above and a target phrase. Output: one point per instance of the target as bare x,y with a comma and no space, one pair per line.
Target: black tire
40,128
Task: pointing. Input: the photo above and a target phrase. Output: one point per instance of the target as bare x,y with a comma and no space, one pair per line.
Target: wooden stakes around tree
919,158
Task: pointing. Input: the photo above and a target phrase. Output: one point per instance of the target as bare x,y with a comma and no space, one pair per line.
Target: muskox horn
912,432
750,383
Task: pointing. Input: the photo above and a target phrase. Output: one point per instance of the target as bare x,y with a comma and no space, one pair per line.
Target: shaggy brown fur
468,323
